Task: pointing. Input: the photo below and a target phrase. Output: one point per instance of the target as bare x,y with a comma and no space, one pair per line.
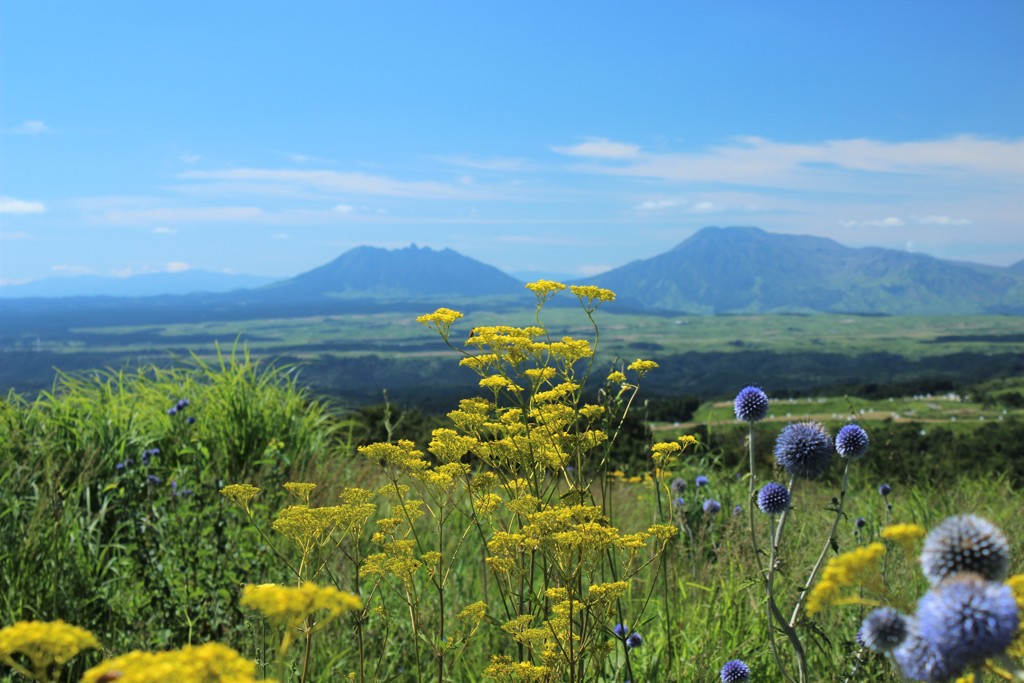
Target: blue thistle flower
712,506
860,522
852,442
701,481
965,543
678,485
634,640
153,479
190,420
679,502
884,490
154,451
735,671
620,630
751,404
737,510
882,630
182,404
919,659
773,498
172,411
968,619
804,449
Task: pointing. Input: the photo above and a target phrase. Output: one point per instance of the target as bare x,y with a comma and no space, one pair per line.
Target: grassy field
508,548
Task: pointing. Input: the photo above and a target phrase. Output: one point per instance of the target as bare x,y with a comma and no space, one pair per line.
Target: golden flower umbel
642,367
209,663
240,494
289,607
46,644
907,535
859,567
440,320
302,491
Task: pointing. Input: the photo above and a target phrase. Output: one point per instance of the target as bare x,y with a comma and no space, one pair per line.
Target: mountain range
732,270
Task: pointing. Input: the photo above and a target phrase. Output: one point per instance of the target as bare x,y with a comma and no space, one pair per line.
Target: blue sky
270,137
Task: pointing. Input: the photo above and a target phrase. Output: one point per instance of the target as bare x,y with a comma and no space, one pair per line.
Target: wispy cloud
657,204
164,230
600,148
940,220
887,222
30,128
762,162
71,269
13,205
216,214
338,182
176,267
189,157
344,208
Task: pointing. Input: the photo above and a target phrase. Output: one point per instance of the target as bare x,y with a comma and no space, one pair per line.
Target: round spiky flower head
751,404
852,442
634,639
882,630
920,660
735,671
965,543
712,506
773,498
968,619
701,480
678,485
804,449
884,490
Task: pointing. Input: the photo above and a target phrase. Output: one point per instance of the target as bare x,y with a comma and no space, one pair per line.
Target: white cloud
71,269
601,148
164,230
121,272
31,128
706,207
822,165
280,236
344,208
887,222
13,205
589,269
176,267
940,220
656,204
189,157
215,214
335,182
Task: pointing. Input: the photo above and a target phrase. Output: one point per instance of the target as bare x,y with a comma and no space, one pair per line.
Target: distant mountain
747,270
1017,267
151,284
534,275
409,274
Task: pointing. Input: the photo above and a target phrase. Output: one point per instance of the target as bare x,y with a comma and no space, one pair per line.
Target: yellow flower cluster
1016,584
240,494
289,607
907,535
642,367
44,643
440,320
397,558
504,670
302,491
209,663
858,567
591,296
402,455
310,527
545,288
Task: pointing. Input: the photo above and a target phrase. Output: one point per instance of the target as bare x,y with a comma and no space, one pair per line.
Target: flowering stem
824,551
791,634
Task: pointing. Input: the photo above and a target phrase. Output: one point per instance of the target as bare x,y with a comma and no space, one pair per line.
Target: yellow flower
474,613
440,320
289,607
504,670
1016,584
544,288
860,567
904,534
300,491
209,663
616,377
45,643
592,294
240,494
642,367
